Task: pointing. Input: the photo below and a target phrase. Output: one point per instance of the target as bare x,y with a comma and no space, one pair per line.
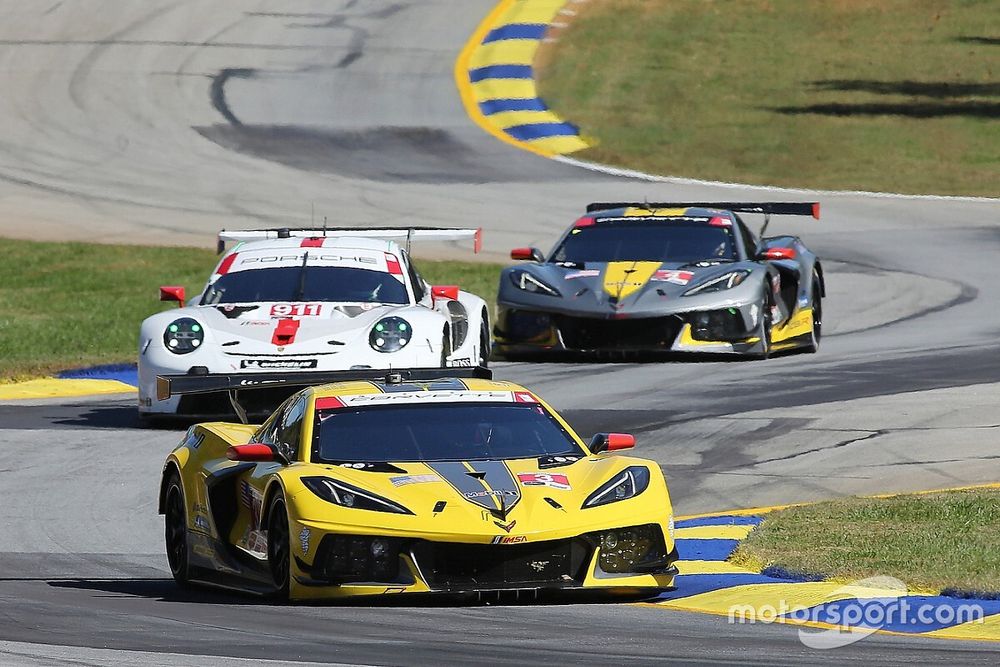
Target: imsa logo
510,539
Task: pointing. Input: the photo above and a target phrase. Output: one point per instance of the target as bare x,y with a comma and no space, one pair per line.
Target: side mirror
172,293
532,254
253,452
611,442
779,253
444,292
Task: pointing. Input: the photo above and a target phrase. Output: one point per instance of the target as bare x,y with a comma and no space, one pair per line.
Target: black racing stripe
495,490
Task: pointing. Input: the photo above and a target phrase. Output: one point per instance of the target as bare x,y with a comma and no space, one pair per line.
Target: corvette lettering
430,397
492,492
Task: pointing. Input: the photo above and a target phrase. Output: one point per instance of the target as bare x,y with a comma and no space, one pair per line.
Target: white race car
305,303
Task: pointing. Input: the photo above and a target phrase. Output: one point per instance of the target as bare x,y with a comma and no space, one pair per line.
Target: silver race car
664,277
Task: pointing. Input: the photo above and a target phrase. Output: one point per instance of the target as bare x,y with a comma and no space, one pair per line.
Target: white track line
677,180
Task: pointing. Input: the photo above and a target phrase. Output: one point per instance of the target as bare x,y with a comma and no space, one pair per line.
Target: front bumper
344,565
731,329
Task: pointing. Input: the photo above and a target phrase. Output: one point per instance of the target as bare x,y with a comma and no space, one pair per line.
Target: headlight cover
627,484
183,336
390,334
525,281
723,282
343,494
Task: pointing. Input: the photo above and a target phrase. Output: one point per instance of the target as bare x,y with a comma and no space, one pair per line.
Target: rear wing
287,383
767,208
399,234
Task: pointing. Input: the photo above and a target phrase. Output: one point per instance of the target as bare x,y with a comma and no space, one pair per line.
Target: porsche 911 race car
665,277
415,484
310,300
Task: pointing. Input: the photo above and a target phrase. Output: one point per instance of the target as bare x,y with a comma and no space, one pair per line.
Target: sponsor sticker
551,480
414,479
587,273
304,536
510,539
201,523
278,364
462,362
671,276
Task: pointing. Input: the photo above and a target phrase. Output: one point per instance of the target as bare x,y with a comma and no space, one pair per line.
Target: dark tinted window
443,432
310,283
646,242
415,280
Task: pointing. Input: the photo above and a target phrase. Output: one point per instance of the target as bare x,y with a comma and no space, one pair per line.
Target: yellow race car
406,485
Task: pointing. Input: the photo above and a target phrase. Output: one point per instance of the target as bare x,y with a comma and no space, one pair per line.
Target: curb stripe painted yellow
60,388
496,83
714,532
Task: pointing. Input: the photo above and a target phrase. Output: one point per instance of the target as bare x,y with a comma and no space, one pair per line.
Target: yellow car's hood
482,500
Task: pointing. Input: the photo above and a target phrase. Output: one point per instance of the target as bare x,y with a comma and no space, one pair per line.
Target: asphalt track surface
160,122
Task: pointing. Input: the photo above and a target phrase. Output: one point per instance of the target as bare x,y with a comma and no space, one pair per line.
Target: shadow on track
166,590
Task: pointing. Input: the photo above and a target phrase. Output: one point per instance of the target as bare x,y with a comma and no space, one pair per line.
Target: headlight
345,495
723,282
529,283
390,334
627,484
183,336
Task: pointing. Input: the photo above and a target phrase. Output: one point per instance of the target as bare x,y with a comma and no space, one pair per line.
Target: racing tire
279,552
817,317
485,345
766,322
175,531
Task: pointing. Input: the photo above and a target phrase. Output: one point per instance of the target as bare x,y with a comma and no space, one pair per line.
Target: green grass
67,305
938,541
887,95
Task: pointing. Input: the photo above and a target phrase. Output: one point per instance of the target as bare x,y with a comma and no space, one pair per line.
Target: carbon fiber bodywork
632,304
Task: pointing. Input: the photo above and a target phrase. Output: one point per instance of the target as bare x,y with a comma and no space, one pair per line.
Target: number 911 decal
296,310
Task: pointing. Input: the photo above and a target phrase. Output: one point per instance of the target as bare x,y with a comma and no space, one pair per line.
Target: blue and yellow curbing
495,78
708,583
94,381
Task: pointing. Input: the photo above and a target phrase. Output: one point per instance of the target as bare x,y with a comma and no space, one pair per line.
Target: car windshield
668,241
307,283
439,432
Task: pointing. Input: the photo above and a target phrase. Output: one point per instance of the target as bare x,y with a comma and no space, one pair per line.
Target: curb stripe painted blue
126,373
541,130
489,107
501,72
721,520
516,31
709,549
